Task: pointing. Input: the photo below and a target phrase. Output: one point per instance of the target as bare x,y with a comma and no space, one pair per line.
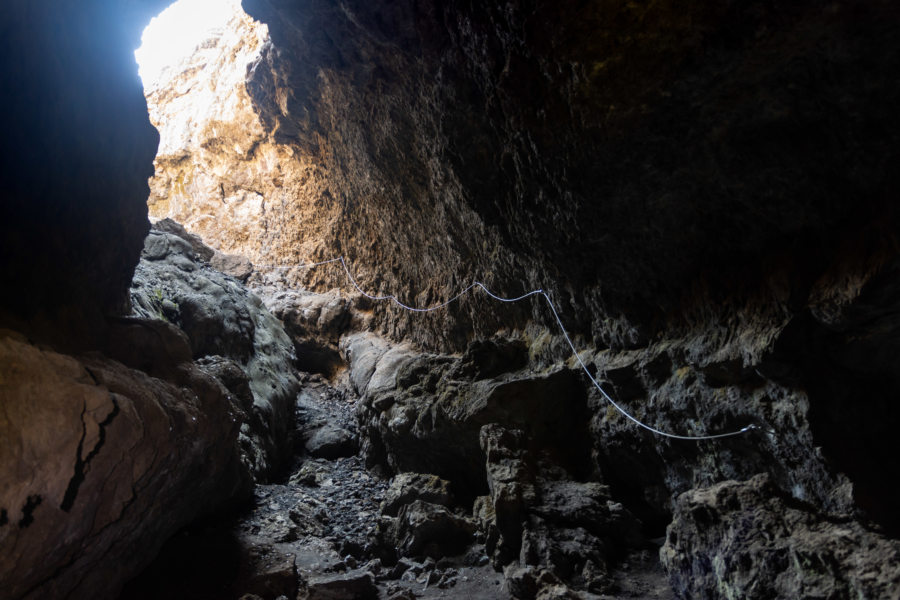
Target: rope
565,333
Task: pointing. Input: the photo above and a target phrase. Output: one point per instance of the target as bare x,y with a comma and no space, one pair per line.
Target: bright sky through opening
176,31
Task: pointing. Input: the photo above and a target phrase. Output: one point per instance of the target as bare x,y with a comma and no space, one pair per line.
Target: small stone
407,487
352,585
331,442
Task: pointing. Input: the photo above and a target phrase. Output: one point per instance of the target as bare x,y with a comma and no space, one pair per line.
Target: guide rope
553,309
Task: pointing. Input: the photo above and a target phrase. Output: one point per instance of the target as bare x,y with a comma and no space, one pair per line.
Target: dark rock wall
706,190
77,149
618,154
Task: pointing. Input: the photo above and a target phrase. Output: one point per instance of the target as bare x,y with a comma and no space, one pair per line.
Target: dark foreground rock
102,462
749,540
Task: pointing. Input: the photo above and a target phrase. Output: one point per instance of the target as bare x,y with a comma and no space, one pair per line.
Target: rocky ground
323,532
389,472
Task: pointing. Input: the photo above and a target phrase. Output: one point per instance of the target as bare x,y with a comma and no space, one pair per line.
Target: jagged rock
201,250
221,318
425,529
559,531
214,311
352,585
234,265
418,416
407,487
331,442
268,571
93,451
750,540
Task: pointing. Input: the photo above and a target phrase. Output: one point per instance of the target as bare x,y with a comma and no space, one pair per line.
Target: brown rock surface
101,464
219,171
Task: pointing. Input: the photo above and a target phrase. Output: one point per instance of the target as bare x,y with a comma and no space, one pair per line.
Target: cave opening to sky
215,162
177,31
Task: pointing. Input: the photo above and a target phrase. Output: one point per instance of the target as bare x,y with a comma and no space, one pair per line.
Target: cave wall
693,186
111,438
619,155
77,149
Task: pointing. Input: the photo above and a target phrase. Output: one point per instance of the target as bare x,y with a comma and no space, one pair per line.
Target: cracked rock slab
92,453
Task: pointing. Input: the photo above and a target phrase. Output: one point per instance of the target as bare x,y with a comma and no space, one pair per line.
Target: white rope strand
565,333
306,266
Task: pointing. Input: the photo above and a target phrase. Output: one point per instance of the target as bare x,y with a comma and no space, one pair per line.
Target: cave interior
421,299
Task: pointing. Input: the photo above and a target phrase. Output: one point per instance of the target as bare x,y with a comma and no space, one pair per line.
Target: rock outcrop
231,334
749,540
104,458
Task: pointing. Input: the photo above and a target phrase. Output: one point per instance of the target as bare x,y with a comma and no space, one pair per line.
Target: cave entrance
216,169
174,35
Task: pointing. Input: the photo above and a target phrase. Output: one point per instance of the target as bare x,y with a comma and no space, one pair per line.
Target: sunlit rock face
219,170
635,161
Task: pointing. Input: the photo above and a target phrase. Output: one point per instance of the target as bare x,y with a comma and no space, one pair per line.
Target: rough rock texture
704,192
599,152
407,487
75,156
423,413
424,529
544,527
316,323
102,462
748,540
219,170
239,341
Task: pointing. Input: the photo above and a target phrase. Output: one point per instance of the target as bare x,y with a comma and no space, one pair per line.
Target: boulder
235,265
93,451
407,487
229,331
267,570
352,585
748,539
423,529
547,530
331,441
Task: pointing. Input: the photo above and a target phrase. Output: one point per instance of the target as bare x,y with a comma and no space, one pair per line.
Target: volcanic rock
750,540
231,332
93,451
